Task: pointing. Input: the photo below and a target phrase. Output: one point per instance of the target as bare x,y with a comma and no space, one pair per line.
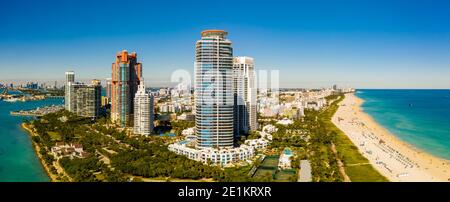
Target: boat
12,100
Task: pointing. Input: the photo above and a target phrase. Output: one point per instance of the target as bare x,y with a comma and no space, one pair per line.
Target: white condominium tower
244,95
214,90
143,111
69,97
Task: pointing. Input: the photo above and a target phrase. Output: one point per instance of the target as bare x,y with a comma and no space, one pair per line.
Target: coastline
36,147
392,157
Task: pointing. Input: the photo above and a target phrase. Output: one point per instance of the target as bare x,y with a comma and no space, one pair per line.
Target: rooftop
214,32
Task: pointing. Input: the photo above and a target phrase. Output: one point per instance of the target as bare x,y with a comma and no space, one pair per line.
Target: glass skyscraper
213,96
126,76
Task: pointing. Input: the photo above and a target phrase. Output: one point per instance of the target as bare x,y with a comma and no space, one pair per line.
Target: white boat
12,100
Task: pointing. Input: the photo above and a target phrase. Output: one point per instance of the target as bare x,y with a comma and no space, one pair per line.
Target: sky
362,44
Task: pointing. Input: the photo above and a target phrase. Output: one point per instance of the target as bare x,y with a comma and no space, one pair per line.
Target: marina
40,111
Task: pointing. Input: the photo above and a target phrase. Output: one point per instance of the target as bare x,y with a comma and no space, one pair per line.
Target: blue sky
365,44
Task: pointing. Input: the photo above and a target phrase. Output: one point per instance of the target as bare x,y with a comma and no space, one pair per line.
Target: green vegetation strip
348,152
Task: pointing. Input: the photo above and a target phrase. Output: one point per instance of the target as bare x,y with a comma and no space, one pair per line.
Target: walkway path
340,164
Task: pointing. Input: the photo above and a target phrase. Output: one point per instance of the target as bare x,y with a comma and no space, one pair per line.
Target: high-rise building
70,77
83,100
108,88
143,111
126,76
69,98
244,85
105,101
335,87
32,85
88,99
214,90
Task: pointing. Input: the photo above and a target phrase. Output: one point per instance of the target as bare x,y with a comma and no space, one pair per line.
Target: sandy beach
393,158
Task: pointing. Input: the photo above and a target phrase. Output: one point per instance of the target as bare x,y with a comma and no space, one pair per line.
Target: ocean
419,117
18,162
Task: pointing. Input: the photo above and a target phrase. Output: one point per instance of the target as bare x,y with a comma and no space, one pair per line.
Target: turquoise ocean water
418,117
18,162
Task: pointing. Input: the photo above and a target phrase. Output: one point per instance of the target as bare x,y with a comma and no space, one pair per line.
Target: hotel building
143,111
213,96
126,76
245,115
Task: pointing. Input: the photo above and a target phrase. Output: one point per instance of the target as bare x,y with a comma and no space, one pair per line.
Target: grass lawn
270,162
360,174
55,136
284,175
269,165
100,177
264,172
348,150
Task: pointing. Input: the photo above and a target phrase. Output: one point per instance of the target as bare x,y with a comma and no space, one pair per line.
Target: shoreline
36,148
395,159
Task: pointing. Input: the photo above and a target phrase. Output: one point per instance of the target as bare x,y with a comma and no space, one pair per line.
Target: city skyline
312,44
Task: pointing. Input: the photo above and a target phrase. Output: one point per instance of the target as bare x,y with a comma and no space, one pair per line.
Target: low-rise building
285,159
269,129
285,122
188,131
266,136
222,156
257,144
61,150
186,117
